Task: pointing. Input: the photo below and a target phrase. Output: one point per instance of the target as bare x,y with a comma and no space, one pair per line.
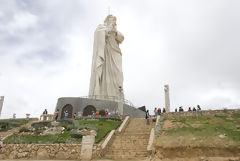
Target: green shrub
102,112
4,126
88,127
67,124
76,124
7,125
24,129
236,115
68,127
42,124
68,121
75,134
38,131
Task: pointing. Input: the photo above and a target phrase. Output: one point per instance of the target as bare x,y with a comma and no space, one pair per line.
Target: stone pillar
27,116
14,116
167,100
1,103
120,102
87,147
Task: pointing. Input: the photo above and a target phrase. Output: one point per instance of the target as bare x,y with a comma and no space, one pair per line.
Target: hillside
192,135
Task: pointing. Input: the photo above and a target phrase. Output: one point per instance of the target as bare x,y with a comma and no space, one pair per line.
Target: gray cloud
46,50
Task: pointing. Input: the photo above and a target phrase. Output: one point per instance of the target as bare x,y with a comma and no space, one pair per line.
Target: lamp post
120,100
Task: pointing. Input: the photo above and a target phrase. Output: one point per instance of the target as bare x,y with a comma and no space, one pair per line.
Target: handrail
110,98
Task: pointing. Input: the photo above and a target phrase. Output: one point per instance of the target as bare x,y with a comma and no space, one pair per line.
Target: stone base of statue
88,107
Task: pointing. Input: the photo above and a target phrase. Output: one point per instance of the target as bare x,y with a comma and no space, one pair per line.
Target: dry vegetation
202,131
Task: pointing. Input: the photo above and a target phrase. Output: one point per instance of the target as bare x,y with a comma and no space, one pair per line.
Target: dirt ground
186,159
201,159
202,139
149,159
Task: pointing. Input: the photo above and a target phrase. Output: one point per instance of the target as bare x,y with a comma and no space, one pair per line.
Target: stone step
123,138
132,135
128,153
130,146
130,141
133,143
127,157
141,129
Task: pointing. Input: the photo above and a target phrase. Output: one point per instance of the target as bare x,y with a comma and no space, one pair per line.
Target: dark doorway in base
67,108
88,110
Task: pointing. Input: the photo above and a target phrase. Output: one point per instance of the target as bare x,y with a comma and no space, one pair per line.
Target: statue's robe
106,74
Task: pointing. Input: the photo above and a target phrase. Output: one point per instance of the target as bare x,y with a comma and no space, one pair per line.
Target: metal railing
109,98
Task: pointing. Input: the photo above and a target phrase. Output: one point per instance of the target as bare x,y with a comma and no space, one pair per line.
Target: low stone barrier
150,141
199,113
107,140
40,151
123,125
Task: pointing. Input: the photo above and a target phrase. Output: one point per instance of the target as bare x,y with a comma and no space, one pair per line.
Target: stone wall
199,113
79,104
40,151
48,151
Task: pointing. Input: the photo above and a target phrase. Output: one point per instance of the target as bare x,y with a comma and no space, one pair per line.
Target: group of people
158,111
66,115
180,109
97,113
56,114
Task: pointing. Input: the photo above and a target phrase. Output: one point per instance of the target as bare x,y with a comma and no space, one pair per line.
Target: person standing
159,111
194,109
56,114
198,108
66,114
45,111
147,118
74,115
155,112
164,110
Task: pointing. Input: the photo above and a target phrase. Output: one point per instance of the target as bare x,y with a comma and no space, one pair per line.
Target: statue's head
166,87
110,19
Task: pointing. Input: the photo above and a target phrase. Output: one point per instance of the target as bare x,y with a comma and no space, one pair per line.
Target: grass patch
101,126
204,130
47,139
236,115
6,125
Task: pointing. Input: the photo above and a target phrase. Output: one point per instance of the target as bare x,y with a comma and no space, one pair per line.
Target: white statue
106,75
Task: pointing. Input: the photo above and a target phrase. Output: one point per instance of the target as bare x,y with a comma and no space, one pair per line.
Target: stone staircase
132,143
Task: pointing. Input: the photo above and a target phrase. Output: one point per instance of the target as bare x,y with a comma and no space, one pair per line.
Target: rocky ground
149,159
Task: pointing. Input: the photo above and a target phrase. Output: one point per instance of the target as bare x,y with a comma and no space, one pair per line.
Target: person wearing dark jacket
147,118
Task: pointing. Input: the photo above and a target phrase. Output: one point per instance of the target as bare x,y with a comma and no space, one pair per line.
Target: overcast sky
192,45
